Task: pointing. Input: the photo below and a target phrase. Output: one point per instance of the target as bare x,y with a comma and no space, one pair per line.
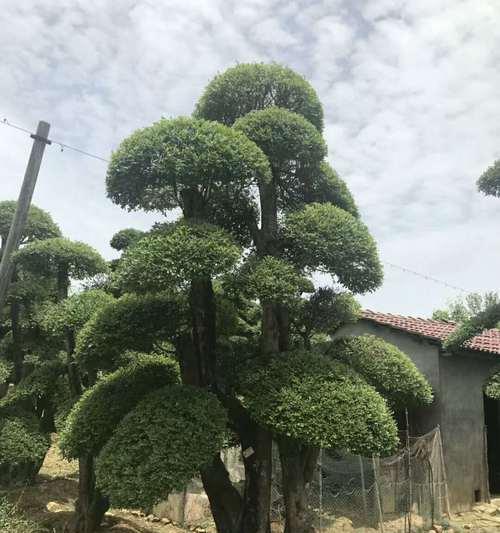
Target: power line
427,277
62,145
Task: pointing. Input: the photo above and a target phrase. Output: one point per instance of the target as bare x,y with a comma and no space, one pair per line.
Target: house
469,422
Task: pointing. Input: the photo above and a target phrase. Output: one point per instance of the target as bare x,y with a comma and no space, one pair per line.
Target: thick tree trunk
257,457
296,468
225,500
91,505
203,316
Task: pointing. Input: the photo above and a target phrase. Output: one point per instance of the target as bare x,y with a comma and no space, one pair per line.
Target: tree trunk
203,316
91,505
257,458
225,500
295,468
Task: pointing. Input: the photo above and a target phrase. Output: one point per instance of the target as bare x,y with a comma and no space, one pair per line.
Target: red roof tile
488,341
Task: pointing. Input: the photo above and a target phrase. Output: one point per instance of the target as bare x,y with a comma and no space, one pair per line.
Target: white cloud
410,91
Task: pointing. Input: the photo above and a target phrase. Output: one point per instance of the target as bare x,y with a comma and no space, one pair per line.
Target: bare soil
50,502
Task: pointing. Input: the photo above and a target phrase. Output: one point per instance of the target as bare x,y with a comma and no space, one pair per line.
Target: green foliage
97,413
461,309
156,167
131,322
79,260
12,520
125,238
489,182
320,402
271,279
22,448
487,319
5,371
327,187
294,147
324,312
249,87
160,445
492,388
73,312
386,368
186,252
326,238
36,389
287,139
39,224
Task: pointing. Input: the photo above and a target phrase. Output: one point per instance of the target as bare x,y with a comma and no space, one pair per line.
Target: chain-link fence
403,493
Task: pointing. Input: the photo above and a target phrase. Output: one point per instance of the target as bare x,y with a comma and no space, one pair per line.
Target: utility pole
40,140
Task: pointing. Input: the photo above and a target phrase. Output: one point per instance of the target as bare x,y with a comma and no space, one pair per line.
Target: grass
12,520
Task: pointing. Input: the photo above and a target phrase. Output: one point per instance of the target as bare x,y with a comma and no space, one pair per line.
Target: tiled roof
488,341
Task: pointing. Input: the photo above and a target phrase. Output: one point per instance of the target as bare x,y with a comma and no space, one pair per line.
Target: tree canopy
489,182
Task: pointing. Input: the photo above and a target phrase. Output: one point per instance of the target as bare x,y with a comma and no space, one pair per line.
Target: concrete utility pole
23,205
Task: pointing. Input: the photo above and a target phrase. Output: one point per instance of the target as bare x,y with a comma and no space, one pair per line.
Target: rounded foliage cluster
79,260
320,402
5,371
489,182
248,87
388,369
185,253
132,322
325,312
271,279
35,388
72,312
291,143
95,416
161,445
492,388
22,448
124,238
154,166
327,187
326,238
39,224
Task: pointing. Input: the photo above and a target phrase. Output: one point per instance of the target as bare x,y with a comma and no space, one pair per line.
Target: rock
468,526
166,521
54,507
437,528
149,518
343,523
136,513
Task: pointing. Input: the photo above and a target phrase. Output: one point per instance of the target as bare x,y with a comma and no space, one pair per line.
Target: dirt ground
50,502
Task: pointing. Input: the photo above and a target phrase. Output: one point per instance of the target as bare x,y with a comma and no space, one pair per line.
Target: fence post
377,495
363,487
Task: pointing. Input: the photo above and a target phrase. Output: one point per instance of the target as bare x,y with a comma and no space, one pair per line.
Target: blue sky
410,91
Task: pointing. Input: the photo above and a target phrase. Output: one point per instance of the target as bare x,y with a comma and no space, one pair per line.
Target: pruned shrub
160,445
22,448
95,416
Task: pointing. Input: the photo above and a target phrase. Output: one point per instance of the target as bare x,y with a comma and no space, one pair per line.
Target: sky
410,92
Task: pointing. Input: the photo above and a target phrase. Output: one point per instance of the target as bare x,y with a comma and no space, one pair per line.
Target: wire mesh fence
403,493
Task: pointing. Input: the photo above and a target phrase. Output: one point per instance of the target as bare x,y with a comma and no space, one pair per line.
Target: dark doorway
492,421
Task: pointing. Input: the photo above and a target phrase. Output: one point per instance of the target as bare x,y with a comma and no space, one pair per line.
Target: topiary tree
24,290
248,87
95,416
489,182
125,238
62,259
22,448
265,182
134,468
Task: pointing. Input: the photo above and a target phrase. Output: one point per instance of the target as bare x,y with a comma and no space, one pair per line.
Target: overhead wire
63,146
